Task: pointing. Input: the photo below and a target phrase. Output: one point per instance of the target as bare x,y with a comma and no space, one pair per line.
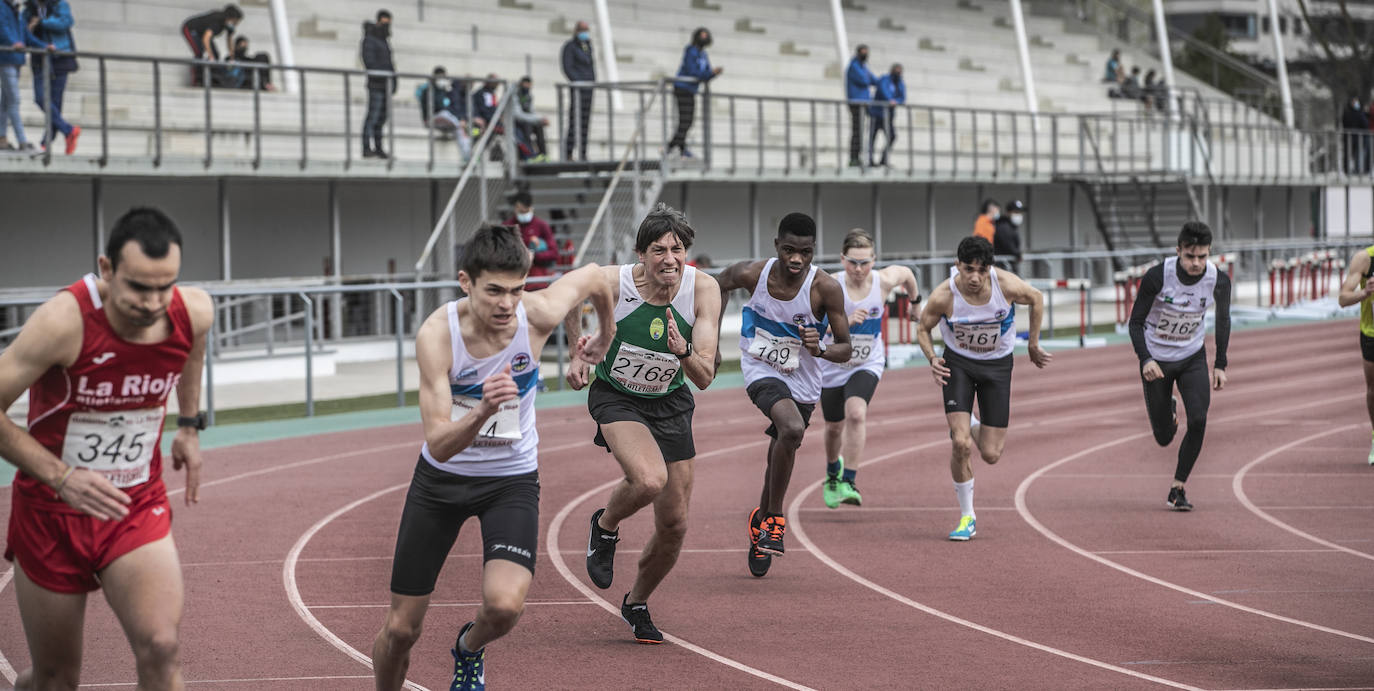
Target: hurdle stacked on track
1082,285
1127,283
1305,277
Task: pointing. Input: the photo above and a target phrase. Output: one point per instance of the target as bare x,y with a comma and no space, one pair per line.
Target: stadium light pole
1023,48
1165,57
841,34
1281,60
281,33
603,29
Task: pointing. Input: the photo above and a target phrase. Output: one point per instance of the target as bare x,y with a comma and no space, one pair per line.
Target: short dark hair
975,250
154,232
524,79
1195,234
523,198
661,221
798,224
987,204
495,248
439,71
861,46
232,11
383,14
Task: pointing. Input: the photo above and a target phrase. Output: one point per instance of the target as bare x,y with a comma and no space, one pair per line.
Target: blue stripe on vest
867,326
753,320
523,384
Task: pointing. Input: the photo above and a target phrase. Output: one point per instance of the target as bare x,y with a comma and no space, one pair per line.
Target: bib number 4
500,429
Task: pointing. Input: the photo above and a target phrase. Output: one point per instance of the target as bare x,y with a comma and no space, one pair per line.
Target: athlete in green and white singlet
667,326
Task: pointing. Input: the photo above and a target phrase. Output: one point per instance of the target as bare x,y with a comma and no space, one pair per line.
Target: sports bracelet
63,482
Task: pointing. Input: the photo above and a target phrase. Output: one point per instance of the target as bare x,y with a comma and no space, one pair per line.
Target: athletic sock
463,645
964,490
849,474
832,469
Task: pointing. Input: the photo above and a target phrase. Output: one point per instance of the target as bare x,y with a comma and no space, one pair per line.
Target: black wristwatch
686,354
197,422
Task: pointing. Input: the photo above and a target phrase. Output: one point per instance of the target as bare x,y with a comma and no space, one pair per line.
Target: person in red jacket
537,234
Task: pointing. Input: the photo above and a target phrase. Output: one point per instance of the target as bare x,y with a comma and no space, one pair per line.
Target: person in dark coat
858,85
696,66
1356,125
201,31
579,65
376,50
245,64
1006,239
889,92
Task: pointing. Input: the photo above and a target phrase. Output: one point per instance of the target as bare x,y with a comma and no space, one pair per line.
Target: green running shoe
833,495
850,493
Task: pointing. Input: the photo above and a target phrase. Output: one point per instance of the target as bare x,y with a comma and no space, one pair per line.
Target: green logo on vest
656,328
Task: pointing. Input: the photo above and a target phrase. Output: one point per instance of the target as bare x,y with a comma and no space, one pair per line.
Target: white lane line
5,667
556,556
1314,508
1212,551
385,605
871,509
293,593
1237,487
842,570
1030,519
241,681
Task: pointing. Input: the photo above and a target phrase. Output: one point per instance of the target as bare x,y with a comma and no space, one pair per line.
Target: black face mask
863,57
382,31
703,41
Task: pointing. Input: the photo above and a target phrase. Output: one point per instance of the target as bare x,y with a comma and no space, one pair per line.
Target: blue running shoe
966,530
468,674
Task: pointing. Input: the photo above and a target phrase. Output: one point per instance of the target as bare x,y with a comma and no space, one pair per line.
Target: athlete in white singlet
479,370
976,312
847,387
789,307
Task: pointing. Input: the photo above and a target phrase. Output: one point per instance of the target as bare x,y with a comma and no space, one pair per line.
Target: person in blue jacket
858,84
890,92
51,22
13,34
696,68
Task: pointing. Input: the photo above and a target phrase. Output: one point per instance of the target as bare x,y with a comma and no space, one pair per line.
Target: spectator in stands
1130,88
240,74
1007,236
578,66
1356,125
484,102
376,49
889,92
1150,90
529,125
694,70
985,225
1113,73
13,34
50,22
858,84
201,30
536,234
449,102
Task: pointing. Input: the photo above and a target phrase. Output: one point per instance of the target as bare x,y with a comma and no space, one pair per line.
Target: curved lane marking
1030,519
1239,479
797,530
555,529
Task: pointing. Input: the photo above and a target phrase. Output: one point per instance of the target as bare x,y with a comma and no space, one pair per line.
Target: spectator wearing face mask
578,66
376,51
449,102
858,84
1007,235
483,104
1356,125
696,67
985,225
528,124
536,234
890,92
201,30
241,73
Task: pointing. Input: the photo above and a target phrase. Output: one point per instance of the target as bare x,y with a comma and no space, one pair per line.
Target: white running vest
770,338
508,443
1174,328
866,337
980,332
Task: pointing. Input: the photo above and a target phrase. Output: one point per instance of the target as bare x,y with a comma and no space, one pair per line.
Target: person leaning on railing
696,68
13,34
51,22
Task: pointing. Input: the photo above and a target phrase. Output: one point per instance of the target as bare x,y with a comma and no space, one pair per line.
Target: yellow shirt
1367,306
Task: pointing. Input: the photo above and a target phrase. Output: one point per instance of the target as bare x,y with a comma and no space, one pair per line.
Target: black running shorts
438,504
989,380
768,391
1367,347
861,384
669,418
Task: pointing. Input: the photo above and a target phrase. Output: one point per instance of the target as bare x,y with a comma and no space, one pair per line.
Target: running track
1079,577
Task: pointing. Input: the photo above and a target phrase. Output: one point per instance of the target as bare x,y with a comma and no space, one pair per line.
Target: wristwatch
821,348
197,422
686,354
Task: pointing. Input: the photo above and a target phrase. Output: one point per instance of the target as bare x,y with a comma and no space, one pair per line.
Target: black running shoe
1178,501
758,561
601,553
637,616
771,530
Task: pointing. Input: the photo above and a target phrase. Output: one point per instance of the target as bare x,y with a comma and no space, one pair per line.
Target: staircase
1132,212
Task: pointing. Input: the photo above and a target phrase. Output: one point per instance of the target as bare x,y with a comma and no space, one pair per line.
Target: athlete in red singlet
89,509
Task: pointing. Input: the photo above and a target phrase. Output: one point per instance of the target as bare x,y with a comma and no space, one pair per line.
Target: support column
841,34
877,212
98,216
335,262
818,213
612,70
281,33
930,218
1222,233
1026,224
1285,94
1162,33
1259,202
1023,50
754,219
1288,210
225,251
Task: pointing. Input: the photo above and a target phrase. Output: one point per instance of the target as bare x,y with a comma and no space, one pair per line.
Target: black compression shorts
989,380
861,384
766,392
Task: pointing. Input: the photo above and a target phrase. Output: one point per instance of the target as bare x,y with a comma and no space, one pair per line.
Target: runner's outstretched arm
744,275
936,307
832,299
186,443
548,307
1019,292
700,363
1351,292
51,338
898,275
579,370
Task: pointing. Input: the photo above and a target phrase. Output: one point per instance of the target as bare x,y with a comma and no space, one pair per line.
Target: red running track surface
1079,577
